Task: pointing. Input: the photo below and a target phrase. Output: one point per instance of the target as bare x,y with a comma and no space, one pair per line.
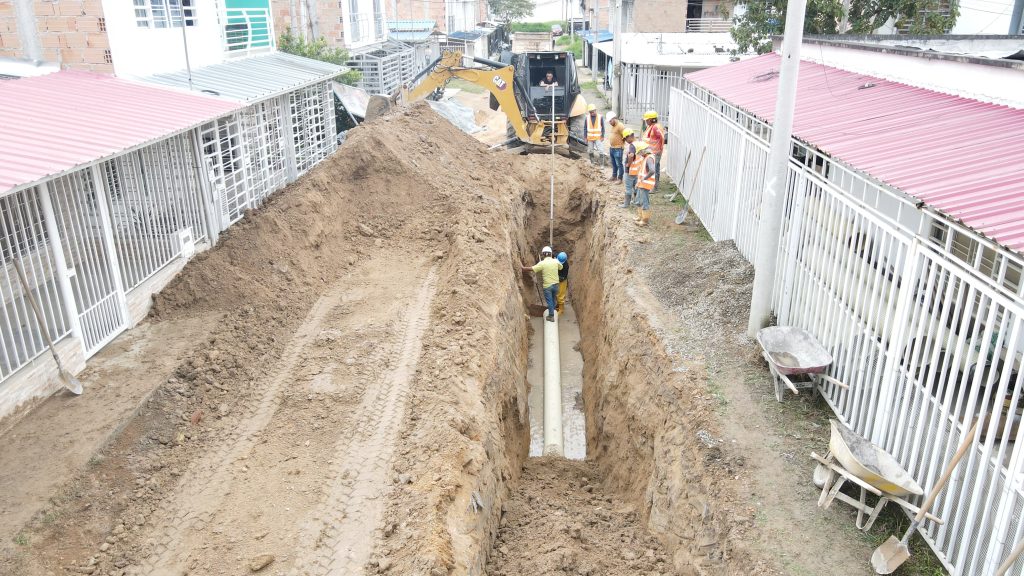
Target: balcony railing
708,25
365,26
247,30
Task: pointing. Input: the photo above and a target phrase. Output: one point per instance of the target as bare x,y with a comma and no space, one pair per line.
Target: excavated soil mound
561,521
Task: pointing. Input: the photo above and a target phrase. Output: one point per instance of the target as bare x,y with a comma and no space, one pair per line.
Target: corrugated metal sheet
254,78
55,123
409,25
954,154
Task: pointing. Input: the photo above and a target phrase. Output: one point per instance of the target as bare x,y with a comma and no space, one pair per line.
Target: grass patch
536,26
589,85
892,521
572,44
467,86
21,539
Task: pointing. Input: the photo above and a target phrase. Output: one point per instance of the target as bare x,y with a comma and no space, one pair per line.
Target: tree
318,50
766,18
511,10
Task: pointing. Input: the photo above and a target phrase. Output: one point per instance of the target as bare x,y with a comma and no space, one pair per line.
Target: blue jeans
630,182
643,198
616,155
657,170
551,298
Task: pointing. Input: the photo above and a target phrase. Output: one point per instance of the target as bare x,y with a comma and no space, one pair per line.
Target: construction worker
629,157
615,146
563,280
595,133
548,268
646,180
654,135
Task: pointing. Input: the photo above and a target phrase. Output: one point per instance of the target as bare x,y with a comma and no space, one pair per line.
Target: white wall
141,52
984,17
994,84
369,33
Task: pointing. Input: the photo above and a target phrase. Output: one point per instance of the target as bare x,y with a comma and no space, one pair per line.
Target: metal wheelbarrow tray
792,351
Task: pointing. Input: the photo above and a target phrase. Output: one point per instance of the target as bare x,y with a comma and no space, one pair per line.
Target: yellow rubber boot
639,215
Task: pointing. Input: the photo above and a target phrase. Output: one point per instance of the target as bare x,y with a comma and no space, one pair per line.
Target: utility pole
770,225
617,31
844,24
593,42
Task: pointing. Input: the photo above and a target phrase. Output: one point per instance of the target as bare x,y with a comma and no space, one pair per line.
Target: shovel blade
889,556
71,383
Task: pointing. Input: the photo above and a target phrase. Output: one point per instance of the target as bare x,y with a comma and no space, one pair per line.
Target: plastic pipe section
552,390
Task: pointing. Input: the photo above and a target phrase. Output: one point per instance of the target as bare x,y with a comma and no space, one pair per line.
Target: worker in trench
654,136
631,165
646,180
595,134
563,281
548,269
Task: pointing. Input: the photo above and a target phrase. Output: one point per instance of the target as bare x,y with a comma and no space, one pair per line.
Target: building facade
72,32
349,24
450,15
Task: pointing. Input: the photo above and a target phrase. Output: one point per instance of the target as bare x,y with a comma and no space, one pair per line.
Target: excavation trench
363,404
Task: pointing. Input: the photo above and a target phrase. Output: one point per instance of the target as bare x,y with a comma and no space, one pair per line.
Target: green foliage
512,10
766,18
572,44
536,26
318,50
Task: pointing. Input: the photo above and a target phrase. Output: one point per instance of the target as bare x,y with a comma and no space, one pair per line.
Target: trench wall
644,412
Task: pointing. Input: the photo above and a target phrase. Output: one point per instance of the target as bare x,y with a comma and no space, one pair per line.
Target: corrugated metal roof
957,155
55,123
602,36
410,25
468,34
409,36
254,78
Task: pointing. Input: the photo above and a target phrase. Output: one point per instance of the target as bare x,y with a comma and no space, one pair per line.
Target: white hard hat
608,117
545,250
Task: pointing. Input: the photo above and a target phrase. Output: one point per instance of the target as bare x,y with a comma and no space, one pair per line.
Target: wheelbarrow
796,360
852,458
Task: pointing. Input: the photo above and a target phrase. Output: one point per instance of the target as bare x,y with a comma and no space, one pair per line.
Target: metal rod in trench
551,200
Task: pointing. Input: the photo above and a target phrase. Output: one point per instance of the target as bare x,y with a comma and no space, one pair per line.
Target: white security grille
646,87
82,219
154,196
223,155
314,133
263,133
23,236
925,319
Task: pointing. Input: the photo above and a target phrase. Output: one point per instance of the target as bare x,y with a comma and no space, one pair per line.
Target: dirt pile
363,395
561,521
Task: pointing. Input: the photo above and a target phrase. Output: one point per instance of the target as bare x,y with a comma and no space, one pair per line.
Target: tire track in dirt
340,540
207,482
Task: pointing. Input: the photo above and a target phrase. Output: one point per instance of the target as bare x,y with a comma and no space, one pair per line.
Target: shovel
1005,566
69,381
893,553
681,217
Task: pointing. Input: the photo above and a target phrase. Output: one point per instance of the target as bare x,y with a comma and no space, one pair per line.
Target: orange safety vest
593,128
656,145
634,166
645,179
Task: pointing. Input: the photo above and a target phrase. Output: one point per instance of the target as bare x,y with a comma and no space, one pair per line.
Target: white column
28,31
59,262
778,168
290,162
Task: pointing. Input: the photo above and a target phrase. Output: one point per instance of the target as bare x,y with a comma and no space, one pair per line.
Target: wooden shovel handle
1005,566
945,475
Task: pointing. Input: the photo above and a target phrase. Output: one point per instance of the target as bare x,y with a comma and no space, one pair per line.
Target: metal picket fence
923,317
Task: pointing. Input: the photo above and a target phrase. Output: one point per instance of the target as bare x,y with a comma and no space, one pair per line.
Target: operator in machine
548,81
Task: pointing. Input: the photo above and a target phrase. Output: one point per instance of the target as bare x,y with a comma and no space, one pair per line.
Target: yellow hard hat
627,132
650,114
591,107
641,146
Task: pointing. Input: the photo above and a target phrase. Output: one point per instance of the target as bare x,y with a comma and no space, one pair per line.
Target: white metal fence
923,317
708,25
91,238
646,87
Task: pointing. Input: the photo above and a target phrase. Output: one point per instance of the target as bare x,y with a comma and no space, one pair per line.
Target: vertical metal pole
60,264
184,42
616,71
551,200
1017,18
778,166
207,195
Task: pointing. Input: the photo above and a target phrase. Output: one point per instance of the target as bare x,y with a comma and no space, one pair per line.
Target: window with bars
164,13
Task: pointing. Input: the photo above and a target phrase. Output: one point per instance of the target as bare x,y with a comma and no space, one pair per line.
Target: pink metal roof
957,155
54,123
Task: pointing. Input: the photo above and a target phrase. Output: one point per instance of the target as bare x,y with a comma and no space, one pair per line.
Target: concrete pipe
552,390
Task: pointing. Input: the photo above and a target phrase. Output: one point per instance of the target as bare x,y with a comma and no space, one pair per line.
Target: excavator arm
498,79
